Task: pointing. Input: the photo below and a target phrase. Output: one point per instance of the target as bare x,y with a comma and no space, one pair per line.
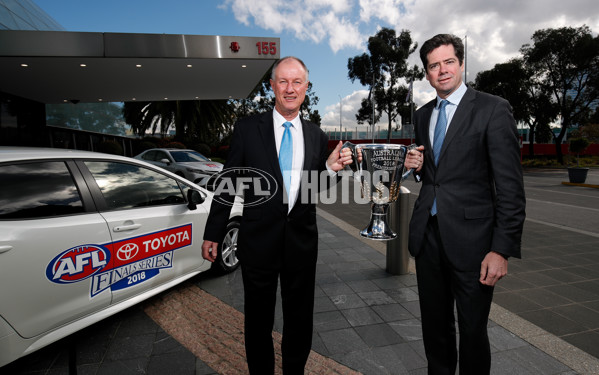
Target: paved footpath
367,321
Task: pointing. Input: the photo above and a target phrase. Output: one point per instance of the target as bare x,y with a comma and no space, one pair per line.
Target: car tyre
227,260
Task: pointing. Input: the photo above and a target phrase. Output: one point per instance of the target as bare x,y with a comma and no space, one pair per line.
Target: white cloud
343,33
388,11
314,20
351,104
495,30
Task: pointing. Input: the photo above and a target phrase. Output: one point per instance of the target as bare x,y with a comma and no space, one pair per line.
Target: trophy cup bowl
379,168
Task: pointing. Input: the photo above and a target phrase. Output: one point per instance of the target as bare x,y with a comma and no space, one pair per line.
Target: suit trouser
439,286
297,299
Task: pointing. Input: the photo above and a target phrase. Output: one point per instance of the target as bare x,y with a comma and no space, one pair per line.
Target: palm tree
200,119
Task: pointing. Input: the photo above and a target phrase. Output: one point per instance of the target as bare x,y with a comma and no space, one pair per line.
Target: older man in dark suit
278,238
468,218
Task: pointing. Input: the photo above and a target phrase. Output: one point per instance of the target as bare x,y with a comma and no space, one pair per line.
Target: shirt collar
279,120
455,96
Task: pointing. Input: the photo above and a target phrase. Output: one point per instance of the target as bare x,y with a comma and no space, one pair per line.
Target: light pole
466,58
340,111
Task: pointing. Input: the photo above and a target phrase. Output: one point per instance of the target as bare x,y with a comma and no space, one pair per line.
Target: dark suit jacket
269,235
478,182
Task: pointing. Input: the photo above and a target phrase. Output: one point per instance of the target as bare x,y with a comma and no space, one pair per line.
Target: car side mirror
194,197
165,161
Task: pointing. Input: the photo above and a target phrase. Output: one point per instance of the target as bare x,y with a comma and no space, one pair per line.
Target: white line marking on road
564,227
561,204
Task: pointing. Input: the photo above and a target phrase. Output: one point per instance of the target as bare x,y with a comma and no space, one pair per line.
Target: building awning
59,66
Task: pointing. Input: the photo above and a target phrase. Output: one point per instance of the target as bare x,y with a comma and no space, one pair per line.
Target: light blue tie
438,138
286,156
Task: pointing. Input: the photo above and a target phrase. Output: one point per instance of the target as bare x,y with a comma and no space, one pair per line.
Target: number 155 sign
267,48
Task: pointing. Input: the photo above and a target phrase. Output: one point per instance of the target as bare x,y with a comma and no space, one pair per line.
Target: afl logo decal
127,251
233,182
77,263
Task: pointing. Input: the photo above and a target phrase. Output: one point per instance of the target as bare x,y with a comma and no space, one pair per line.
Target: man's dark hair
438,41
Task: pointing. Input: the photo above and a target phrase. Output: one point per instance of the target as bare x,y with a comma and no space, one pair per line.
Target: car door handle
4,249
124,228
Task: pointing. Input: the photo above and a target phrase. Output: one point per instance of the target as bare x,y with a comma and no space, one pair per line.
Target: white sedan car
85,235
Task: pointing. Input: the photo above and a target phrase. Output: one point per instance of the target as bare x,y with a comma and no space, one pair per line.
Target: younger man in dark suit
468,218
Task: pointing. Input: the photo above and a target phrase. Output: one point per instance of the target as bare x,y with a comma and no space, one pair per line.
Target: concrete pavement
545,318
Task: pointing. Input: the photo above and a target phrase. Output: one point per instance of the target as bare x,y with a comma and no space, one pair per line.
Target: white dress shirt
453,99
297,136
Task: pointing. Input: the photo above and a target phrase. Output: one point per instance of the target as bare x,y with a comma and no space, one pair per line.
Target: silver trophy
379,168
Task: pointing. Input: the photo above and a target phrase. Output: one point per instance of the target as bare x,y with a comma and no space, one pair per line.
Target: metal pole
398,256
412,117
340,111
373,103
465,58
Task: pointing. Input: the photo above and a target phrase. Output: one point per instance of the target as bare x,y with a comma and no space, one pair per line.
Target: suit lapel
424,128
309,142
458,121
267,133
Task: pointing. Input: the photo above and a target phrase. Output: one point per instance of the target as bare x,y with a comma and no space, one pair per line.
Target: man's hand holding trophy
380,169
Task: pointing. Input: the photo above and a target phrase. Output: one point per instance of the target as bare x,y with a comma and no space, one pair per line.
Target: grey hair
276,65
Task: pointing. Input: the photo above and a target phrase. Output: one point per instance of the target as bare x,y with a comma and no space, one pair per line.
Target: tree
382,71
262,100
565,62
513,82
193,120
207,121
589,132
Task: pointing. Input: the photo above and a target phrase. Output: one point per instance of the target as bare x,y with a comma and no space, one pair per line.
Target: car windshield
188,156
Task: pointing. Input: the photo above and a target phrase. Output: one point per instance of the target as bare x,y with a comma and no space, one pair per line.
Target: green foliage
175,144
218,160
191,119
160,142
551,162
543,133
514,82
145,145
589,131
262,100
203,149
577,146
556,77
383,70
565,62
110,147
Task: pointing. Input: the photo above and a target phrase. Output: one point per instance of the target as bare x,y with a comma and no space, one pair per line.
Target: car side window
126,185
38,190
150,155
161,155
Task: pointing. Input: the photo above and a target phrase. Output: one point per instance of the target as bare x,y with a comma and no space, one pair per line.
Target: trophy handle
355,166
407,173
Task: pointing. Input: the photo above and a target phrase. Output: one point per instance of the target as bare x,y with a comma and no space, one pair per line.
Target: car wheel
227,250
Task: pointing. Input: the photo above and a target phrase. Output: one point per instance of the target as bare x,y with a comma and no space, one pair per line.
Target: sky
326,33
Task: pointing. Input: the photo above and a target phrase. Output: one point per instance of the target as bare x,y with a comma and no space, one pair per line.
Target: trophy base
378,228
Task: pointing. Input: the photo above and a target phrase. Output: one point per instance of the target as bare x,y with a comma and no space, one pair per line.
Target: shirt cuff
332,173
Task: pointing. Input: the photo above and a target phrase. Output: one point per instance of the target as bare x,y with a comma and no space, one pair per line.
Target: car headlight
195,170
201,171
